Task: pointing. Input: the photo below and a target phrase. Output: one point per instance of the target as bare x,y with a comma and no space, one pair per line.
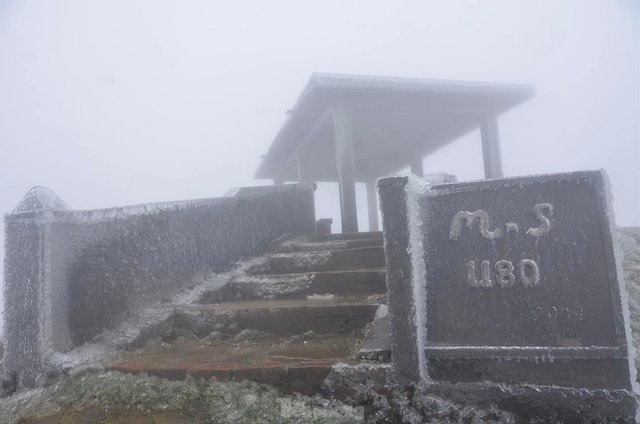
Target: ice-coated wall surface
71,274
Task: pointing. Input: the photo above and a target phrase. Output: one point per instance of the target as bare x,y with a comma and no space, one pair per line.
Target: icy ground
116,395
118,398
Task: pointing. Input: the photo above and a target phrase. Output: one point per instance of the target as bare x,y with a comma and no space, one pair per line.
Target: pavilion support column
416,167
491,146
302,170
346,172
372,204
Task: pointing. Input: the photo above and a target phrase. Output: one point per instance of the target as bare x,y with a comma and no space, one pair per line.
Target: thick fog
123,102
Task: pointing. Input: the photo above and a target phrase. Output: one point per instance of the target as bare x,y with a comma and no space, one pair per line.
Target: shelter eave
385,94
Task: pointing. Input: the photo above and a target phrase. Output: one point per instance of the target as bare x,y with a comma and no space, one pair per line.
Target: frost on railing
71,274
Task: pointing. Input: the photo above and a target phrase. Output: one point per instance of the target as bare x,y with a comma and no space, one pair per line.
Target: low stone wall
71,274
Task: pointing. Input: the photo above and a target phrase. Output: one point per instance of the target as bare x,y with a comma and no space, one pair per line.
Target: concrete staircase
284,318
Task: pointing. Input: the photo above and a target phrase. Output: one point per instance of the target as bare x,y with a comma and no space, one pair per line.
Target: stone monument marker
510,281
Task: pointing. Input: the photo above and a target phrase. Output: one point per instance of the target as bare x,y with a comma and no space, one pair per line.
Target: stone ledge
306,379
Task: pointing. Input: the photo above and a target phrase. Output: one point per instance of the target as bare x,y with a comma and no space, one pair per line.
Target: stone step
290,344
349,236
350,283
291,363
282,286
330,260
311,242
323,315
304,244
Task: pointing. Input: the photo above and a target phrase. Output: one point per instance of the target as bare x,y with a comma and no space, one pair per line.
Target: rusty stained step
283,286
291,364
304,378
319,261
336,315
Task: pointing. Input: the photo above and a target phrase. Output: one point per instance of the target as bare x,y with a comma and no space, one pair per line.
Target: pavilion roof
393,121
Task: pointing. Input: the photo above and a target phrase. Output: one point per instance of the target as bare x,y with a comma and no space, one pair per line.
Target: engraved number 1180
506,274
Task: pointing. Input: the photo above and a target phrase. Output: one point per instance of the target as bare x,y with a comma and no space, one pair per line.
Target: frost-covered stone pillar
406,345
34,310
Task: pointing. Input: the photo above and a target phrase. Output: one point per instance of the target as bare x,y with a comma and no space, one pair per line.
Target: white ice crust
415,188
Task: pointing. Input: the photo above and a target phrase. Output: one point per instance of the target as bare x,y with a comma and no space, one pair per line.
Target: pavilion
352,128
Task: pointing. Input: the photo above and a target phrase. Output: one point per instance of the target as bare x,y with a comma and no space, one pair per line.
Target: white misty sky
123,102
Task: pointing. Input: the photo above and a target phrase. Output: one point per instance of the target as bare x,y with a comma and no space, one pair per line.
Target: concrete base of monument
589,374
544,403
527,403
482,288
